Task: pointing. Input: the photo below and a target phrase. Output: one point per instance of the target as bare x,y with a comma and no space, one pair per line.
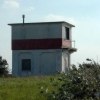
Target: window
67,34
26,64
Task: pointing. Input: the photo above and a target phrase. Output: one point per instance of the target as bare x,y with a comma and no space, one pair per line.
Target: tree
3,67
82,83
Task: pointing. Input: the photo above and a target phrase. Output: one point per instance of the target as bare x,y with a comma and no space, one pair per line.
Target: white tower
41,48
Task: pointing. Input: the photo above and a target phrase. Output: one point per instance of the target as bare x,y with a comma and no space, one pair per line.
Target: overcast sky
84,14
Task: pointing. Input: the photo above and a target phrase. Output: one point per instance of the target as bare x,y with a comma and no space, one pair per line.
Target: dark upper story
42,30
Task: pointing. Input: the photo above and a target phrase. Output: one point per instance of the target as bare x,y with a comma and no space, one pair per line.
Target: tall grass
28,88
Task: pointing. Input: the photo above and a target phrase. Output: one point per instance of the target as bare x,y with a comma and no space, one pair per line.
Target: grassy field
28,88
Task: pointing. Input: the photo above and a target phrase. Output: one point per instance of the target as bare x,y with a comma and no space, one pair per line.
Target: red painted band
31,44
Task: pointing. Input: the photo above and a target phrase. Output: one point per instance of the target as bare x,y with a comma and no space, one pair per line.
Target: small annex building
41,48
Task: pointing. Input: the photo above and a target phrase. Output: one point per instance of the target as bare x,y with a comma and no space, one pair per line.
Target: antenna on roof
23,16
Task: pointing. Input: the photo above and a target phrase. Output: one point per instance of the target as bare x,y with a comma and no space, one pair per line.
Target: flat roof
42,23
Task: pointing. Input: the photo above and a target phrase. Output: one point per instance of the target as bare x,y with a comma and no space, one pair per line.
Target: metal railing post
73,43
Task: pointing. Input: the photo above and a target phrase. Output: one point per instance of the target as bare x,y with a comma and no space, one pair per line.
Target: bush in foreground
82,83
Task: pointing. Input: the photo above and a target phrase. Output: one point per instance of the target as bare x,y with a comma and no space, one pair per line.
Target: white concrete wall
44,62
38,31
65,61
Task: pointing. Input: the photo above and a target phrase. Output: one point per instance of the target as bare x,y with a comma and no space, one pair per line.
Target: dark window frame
67,30
26,64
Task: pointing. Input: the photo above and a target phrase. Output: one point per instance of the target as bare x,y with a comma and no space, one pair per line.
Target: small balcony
68,44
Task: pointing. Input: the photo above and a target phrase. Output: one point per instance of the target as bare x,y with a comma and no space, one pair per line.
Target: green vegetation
29,88
82,83
3,67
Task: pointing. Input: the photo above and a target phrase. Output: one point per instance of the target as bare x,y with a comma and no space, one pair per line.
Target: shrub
82,83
